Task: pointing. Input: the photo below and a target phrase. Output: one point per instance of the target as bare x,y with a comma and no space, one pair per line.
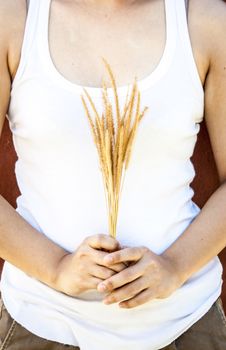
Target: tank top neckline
143,84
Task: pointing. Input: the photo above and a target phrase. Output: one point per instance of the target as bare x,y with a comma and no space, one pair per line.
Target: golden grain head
114,143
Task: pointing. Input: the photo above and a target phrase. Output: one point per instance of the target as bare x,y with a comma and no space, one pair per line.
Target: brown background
205,182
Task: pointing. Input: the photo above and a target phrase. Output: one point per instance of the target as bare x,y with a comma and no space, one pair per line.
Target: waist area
198,287
156,322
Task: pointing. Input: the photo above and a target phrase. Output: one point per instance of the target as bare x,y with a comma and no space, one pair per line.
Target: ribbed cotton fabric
62,192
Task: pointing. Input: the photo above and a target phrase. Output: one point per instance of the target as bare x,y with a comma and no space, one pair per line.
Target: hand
147,276
85,268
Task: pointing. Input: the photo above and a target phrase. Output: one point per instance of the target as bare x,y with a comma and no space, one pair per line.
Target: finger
102,241
123,255
137,300
121,278
93,282
118,267
126,292
89,282
98,257
95,255
101,272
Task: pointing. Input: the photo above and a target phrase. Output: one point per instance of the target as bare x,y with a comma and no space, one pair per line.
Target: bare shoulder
13,18
207,22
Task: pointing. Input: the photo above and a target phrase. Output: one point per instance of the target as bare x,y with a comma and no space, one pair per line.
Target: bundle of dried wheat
114,143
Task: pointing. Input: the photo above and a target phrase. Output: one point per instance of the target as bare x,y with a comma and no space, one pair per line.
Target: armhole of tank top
185,39
29,29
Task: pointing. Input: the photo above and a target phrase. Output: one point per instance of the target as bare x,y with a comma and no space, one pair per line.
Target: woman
66,282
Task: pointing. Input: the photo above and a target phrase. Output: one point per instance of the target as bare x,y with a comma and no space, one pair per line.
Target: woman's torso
60,181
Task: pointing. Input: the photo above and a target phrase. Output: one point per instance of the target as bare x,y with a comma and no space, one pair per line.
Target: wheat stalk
114,143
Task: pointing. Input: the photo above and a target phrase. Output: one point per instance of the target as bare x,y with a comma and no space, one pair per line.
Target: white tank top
62,193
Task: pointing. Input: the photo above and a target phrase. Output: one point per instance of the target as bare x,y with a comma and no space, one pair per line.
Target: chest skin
131,37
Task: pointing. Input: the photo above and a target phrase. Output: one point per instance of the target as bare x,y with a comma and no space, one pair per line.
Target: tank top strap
185,44
43,27
171,25
28,37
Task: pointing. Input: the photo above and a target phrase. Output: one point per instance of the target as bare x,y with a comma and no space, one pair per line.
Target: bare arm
206,236
20,243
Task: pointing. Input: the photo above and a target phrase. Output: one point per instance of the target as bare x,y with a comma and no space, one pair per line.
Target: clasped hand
147,276
129,276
